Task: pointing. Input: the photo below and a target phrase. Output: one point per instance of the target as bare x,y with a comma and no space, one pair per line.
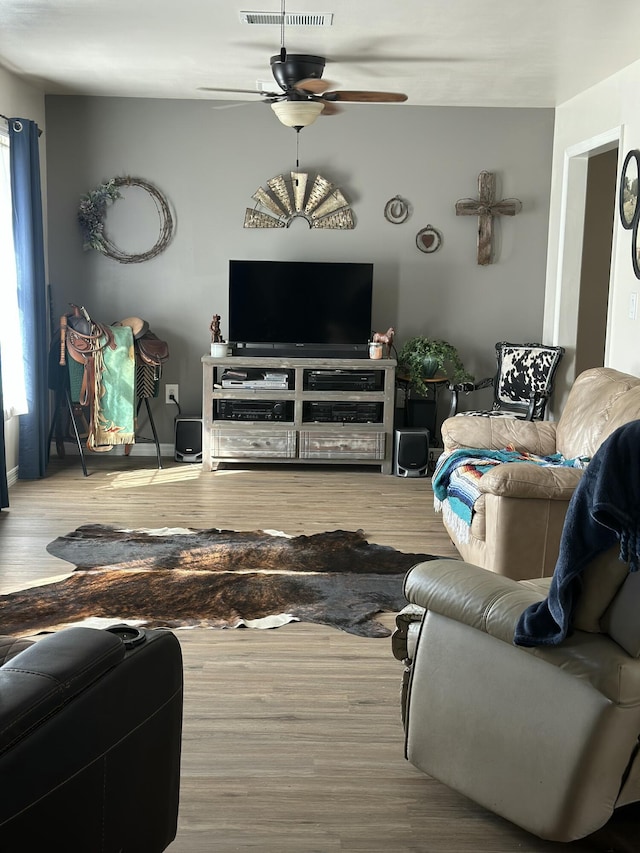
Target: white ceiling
445,52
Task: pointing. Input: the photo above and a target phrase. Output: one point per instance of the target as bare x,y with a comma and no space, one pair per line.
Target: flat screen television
300,308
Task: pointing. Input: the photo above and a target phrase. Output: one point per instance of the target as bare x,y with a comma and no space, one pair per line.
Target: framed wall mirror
635,247
628,196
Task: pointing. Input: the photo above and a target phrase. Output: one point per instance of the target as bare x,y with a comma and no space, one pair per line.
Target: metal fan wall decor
323,206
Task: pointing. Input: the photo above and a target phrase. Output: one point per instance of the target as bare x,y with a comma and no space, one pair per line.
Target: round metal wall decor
397,210
429,239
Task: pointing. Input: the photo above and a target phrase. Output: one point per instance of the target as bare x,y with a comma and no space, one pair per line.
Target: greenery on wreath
92,212
421,357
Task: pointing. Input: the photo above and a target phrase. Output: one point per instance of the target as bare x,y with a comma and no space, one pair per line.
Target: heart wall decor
429,239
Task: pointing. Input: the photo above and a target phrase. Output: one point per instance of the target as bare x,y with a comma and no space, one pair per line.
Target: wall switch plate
633,306
168,391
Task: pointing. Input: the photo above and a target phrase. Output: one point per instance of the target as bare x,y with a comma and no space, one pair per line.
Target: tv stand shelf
296,429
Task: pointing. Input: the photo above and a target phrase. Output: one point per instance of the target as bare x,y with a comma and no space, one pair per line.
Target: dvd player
344,380
360,413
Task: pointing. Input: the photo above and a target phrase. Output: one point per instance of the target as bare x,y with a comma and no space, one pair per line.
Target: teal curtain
29,247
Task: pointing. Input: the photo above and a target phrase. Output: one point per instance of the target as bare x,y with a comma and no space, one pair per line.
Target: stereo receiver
254,410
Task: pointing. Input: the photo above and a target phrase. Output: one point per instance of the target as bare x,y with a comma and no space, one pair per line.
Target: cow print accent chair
522,385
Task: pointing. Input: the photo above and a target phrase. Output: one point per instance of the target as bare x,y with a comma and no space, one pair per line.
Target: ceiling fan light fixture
297,113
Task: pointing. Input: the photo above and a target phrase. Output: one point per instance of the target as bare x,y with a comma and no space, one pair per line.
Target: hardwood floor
292,737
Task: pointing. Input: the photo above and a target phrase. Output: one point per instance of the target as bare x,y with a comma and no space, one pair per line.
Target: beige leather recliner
546,737
525,695
517,522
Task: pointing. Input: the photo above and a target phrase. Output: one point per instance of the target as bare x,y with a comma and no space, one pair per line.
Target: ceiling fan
303,94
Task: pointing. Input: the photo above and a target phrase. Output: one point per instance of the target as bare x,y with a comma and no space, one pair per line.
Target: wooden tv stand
292,433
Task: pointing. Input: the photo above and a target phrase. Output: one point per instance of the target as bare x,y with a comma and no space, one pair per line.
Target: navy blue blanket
604,509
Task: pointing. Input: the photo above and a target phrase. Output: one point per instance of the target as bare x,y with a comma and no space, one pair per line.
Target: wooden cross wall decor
485,208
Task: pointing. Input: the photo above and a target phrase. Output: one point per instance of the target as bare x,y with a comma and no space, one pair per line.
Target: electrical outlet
633,306
170,390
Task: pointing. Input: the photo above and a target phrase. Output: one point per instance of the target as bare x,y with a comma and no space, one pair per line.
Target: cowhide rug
214,578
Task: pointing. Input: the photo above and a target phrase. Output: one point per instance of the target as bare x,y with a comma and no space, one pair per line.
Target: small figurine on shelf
218,345
381,343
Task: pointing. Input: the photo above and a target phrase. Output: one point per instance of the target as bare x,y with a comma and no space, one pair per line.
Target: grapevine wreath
93,210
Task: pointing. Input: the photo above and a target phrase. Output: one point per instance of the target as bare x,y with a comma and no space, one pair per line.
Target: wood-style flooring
292,737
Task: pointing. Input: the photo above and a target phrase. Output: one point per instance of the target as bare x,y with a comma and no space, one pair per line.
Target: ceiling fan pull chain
283,50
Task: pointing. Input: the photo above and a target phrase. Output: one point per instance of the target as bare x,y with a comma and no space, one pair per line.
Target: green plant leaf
412,355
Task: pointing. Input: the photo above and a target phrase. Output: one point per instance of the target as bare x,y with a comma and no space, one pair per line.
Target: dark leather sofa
90,737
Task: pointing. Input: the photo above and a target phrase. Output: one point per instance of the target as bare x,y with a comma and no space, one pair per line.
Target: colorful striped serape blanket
457,474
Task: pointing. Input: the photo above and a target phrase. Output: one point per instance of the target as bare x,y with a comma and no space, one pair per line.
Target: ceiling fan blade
368,58
362,54
241,91
314,85
230,105
365,97
330,109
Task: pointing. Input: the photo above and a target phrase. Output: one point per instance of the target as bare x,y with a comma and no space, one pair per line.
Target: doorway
583,293
595,273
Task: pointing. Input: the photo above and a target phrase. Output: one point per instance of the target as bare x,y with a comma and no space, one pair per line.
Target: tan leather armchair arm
537,437
525,480
471,595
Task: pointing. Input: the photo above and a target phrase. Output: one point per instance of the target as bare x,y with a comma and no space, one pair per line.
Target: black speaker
188,439
411,452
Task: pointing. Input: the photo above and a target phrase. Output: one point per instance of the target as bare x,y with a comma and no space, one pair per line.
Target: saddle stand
74,357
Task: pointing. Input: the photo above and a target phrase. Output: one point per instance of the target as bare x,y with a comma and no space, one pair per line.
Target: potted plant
421,358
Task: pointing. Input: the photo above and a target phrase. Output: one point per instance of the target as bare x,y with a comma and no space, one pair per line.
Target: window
13,389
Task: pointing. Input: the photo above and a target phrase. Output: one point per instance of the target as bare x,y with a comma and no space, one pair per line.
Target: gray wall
209,161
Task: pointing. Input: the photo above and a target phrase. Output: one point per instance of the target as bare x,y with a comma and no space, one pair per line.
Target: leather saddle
149,348
81,337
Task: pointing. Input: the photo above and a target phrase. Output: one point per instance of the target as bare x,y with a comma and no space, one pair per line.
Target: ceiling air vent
291,19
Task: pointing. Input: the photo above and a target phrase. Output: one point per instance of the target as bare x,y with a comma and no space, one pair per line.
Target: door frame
569,266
